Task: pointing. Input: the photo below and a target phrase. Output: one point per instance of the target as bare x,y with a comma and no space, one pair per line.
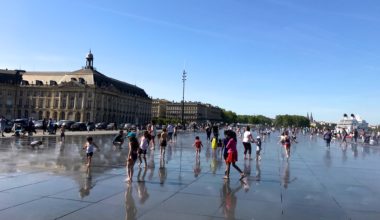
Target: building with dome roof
81,95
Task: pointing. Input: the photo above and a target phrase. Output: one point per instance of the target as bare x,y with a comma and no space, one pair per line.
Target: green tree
291,121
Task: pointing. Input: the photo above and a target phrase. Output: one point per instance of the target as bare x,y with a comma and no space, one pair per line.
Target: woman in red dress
232,155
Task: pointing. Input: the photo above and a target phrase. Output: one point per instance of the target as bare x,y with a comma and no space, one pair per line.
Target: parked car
38,124
101,125
90,126
127,126
110,126
23,122
8,126
67,123
121,126
20,125
78,126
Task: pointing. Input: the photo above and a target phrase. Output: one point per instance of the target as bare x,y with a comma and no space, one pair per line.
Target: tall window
40,103
71,102
63,103
55,105
89,104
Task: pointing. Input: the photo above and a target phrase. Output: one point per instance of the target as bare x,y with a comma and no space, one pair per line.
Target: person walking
286,143
356,135
327,136
215,131
170,129
132,155
144,144
175,130
63,133
344,136
44,125
198,145
163,141
247,139
208,133
232,156
153,132
258,148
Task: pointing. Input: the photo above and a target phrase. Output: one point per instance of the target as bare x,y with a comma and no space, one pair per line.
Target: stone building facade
159,108
82,95
193,111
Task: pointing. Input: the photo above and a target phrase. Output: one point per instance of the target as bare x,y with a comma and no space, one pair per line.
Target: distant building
9,82
193,112
82,95
159,108
311,119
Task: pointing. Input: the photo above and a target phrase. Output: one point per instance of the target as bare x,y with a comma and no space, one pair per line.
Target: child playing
144,143
119,139
214,144
62,133
89,146
258,148
163,141
198,145
132,155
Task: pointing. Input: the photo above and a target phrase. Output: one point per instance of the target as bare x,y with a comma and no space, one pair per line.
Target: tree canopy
291,121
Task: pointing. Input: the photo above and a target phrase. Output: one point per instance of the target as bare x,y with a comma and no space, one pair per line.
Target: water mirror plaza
52,182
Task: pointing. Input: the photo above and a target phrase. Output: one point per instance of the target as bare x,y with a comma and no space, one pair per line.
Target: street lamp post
183,99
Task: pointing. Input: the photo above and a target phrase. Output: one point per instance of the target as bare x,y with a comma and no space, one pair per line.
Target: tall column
75,100
67,103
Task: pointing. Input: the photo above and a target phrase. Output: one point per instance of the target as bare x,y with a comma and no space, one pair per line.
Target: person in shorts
132,155
247,139
119,139
89,146
144,144
163,141
198,145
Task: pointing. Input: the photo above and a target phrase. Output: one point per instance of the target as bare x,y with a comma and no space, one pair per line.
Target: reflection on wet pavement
51,181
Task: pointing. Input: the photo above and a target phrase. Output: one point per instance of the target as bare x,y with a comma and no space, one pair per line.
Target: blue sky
253,57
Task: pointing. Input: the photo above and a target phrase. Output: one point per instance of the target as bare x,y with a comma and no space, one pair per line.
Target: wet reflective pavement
52,182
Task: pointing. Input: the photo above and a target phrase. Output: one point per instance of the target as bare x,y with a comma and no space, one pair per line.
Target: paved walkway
51,182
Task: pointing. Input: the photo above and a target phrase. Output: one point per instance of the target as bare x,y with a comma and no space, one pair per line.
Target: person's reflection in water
366,150
141,187
354,148
229,199
197,167
87,184
214,164
258,172
286,176
208,153
327,158
247,167
130,206
162,172
169,152
151,165
344,152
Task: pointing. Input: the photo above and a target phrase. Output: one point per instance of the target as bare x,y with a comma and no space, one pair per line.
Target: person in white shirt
247,139
144,144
